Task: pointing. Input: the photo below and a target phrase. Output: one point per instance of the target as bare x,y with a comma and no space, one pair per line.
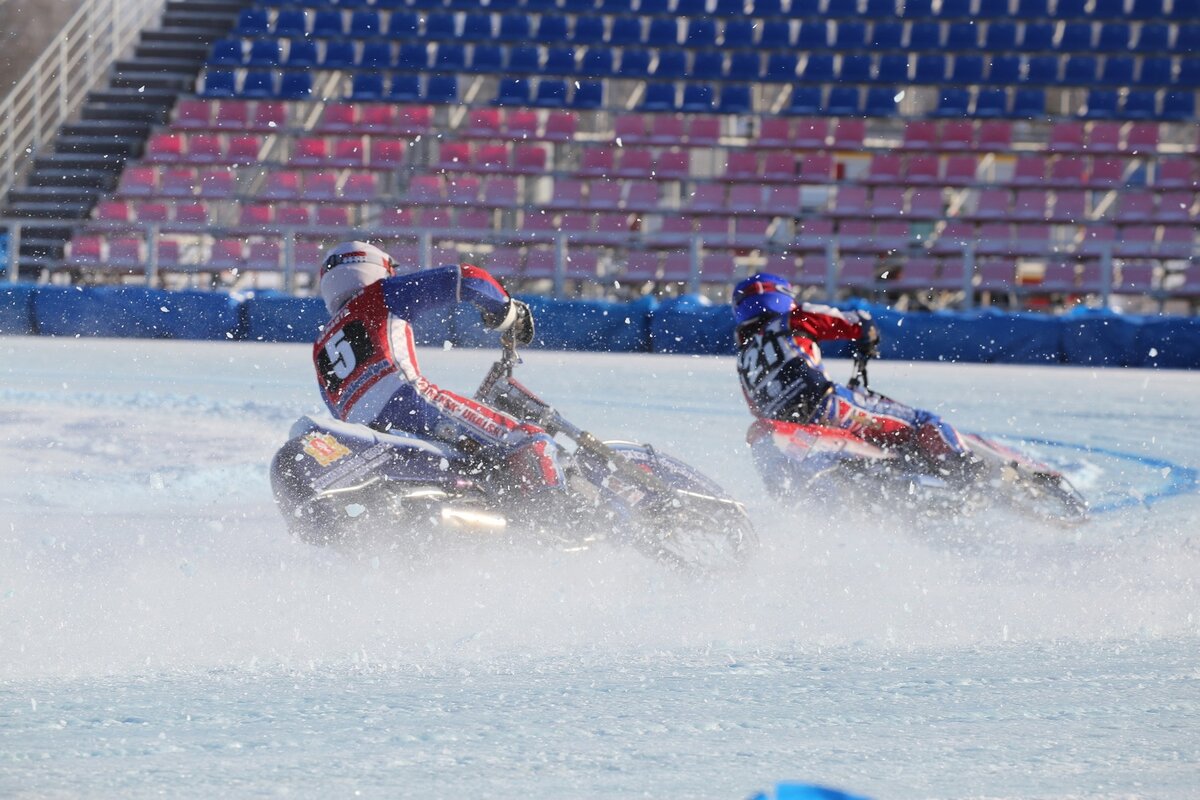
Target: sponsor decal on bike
324,448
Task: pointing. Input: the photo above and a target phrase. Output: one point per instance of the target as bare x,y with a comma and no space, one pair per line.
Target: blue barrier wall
686,324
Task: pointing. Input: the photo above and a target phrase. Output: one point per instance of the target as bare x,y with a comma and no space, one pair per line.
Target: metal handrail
74,63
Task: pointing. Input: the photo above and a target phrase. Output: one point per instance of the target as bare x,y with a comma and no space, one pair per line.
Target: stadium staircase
89,152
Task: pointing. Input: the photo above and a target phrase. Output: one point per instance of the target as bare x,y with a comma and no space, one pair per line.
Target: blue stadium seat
765,8
663,32
1179,106
539,6
441,89
625,31
365,24
962,36
735,99
850,35
1041,69
512,92
1113,38
798,9
497,6
691,8
552,30
1153,38
226,52
1108,9
290,22
953,102
1147,9
1139,104
659,97
887,36
652,7
1033,9
1079,70
843,101
881,102
993,9
991,102
745,65
515,28
1038,36
930,68
440,26
252,22
697,97
597,61
917,9
412,56
588,30
450,57
296,86
588,95
956,9
328,24
525,59
804,100
782,66
967,70
404,88
1117,71
708,65
1187,39
366,86
855,68
818,68
302,53
376,54
487,58
1184,10
634,63
1000,37
477,28
339,54
924,36
559,61
1029,103
1070,9
776,34
893,68
700,33
671,64
569,6
739,33
1004,69
1155,72
551,93
1101,104
259,83
729,8
1076,37
880,9
1189,73
403,25
219,83
813,35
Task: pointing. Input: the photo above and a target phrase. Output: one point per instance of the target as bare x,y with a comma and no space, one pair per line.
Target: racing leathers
783,378
366,366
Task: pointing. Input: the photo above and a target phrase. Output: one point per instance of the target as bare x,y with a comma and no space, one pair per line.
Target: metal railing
74,63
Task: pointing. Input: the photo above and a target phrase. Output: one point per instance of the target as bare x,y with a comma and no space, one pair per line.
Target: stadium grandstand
1031,154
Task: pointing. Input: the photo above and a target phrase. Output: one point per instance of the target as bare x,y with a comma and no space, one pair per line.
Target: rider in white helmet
367,369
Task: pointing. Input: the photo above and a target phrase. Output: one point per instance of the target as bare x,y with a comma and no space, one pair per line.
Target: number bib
354,353
779,376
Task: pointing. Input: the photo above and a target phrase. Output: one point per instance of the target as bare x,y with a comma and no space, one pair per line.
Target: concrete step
50,209
106,162
185,36
111,145
191,52
106,128
214,7
100,180
163,64
159,98
153,80
152,115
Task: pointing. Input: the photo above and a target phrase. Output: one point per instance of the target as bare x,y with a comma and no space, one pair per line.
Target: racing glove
867,344
517,323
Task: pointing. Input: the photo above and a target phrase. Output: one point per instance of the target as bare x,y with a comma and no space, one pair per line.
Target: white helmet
349,268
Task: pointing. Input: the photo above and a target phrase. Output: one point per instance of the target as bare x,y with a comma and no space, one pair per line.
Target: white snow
160,633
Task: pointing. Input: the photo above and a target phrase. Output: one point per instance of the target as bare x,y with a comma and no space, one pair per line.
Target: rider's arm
432,289
823,322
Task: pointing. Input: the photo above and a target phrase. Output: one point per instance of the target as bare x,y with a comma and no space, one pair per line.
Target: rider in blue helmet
779,365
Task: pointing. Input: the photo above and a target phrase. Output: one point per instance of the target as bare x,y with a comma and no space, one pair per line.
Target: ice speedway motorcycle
819,462
342,483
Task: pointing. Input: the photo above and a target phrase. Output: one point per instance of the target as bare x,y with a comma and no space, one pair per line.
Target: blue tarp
687,324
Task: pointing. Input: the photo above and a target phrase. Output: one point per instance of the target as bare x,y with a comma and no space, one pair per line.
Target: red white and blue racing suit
367,370
779,364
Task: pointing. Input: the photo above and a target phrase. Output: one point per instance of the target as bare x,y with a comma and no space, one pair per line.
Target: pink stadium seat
751,233
193,113
505,261
1176,173
922,168
439,219
1029,170
1177,207
884,168
232,113
634,162
227,253
817,168
560,126
957,134
667,129
463,189
243,149
581,265
310,151
217,183
1031,239
333,216
717,268
706,198
891,235
611,228
1104,137
993,203
538,226
1068,207
126,252
1097,239
491,157
674,231
257,217
713,230
926,203
138,181
338,118
1141,138
86,250
529,159
1059,276
500,192
672,165
887,201
264,256
811,133
1030,204
1133,278
152,211
1106,173
746,198
483,123
540,263
453,156
1135,205
776,132
604,194
598,161
575,224
960,170
192,215
1067,172
856,235
994,238
849,133
178,182
297,215
377,118
168,254
360,187
677,266
269,115
568,193
630,129
414,120
165,148
308,255
954,236
851,201
397,218
348,151
1066,137
999,275
812,234
113,211
779,167
426,190
782,200
918,274
386,153
1136,241
703,131
204,148
521,123
642,196
857,272
641,265
741,165
282,185
1177,241
814,270
920,134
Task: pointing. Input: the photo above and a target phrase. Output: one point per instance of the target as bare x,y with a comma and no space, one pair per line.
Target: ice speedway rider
367,368
782,377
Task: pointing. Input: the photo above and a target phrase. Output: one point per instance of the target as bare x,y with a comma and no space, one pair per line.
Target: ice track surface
160,634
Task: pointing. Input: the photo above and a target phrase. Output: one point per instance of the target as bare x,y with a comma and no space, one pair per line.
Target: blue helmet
762,294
